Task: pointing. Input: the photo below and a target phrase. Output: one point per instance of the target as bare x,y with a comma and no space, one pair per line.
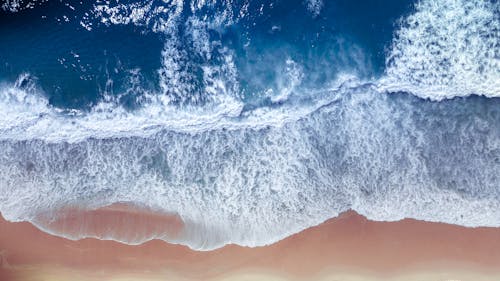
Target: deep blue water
39,41
36,41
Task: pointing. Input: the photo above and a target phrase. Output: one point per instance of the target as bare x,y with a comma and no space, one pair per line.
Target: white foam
288,83
26,114
255,180
19,5
315,6
13,5
447,49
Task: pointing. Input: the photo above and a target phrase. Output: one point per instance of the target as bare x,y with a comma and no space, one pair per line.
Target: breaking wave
447,49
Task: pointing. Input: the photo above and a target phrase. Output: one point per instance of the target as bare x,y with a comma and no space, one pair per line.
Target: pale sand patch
61,274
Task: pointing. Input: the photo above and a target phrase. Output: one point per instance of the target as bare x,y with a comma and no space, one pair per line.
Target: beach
250,140
349,247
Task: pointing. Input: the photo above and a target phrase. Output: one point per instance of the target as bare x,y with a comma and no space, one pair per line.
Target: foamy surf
446,49
255,186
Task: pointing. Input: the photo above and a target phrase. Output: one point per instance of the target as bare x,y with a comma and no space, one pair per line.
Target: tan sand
346,248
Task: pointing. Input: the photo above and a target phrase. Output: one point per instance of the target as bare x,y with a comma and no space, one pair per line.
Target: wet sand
349,247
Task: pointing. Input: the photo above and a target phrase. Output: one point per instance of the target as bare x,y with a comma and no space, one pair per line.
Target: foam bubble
446,49
159,16
314,6
14,5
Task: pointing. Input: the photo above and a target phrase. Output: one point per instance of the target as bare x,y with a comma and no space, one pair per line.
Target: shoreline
349,247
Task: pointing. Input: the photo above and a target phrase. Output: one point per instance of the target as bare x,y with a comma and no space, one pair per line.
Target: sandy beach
349,247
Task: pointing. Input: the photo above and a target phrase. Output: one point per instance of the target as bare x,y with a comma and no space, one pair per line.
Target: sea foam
385,157
447,49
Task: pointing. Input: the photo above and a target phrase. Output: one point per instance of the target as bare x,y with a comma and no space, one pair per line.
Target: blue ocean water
73,65
251,120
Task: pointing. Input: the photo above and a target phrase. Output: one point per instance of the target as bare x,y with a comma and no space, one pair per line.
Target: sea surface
251,120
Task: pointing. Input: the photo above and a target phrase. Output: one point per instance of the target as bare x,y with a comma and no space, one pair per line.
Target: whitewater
421,140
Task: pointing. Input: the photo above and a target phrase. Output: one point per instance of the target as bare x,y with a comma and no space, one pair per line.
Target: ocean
251,120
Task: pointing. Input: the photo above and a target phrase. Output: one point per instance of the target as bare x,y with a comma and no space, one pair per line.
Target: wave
27,114
252,173
447,49
387,157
